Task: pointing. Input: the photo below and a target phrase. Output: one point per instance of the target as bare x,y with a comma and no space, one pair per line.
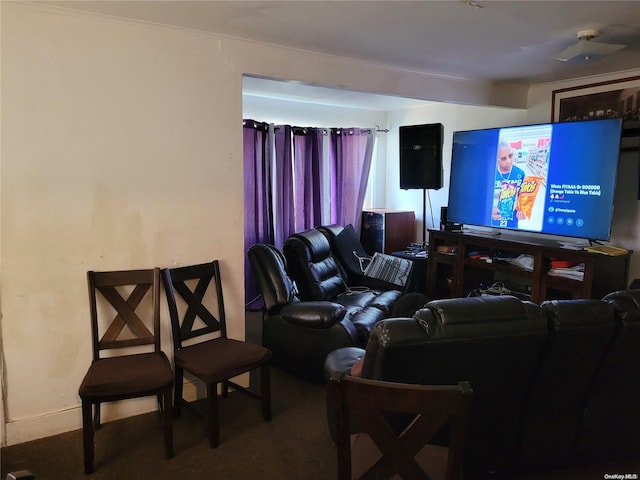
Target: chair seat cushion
127,376
221,358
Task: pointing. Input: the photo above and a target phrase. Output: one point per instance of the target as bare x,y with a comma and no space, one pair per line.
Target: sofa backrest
346,248
612,416
494,343
330,231
580,335
312,266
270,269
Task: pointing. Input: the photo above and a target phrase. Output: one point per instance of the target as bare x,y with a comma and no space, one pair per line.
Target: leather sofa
311,306
554,384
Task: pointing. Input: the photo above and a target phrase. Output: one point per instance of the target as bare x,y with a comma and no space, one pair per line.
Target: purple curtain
284,217
350,156
258,207
285,181
307,158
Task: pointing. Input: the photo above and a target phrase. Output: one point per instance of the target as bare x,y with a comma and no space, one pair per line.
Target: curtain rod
265,125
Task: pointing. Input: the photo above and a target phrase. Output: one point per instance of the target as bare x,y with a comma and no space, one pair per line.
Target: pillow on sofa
345,243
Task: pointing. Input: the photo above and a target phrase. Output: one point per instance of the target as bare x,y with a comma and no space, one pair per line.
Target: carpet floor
294,445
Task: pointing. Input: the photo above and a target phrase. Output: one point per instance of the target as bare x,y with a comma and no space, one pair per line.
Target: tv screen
555,178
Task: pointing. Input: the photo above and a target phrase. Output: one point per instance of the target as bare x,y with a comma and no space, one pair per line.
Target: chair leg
214,424
177,388
167,423
225,389
87,436
265,391
96,417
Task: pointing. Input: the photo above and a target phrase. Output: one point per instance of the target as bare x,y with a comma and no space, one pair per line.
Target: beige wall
121,148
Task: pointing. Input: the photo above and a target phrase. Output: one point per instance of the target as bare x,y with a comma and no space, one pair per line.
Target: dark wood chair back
396,424
188,286
112,288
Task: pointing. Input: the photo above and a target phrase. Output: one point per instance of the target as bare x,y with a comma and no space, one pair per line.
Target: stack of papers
576,272
524,261
575,245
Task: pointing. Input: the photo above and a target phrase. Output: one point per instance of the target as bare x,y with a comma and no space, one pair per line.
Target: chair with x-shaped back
396,424
130,301
201,345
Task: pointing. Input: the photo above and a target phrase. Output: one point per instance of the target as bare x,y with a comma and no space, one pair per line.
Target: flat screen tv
554,178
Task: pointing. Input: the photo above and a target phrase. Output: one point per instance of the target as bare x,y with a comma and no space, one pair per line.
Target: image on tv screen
551,178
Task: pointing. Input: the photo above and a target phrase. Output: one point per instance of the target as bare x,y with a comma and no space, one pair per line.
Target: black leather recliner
493,342
310,310
611,416
554,384
580,333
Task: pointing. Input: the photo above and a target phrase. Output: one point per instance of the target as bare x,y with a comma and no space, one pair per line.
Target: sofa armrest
338,362
320,314
341,361
626,304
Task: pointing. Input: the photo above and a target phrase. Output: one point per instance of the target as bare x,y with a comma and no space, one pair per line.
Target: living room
123,157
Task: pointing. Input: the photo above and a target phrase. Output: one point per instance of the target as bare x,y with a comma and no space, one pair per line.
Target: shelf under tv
458,274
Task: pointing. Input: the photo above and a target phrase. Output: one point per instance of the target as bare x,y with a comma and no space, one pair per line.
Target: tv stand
460,263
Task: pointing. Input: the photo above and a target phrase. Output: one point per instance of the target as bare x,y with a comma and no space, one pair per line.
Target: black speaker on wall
421,156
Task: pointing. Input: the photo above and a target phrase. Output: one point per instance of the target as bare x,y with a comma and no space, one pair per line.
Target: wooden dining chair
201,345
396,424
127,359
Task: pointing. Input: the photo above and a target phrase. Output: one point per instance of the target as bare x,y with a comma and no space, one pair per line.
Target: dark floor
295,445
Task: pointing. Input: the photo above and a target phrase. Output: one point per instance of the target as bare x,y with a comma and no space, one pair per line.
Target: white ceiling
296,92
494,41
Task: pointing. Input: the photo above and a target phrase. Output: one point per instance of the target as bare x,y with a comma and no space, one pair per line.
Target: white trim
27,429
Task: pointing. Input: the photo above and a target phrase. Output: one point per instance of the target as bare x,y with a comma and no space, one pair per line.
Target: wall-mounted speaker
421,156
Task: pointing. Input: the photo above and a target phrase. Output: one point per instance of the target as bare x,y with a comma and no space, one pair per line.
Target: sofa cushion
356,299
386,300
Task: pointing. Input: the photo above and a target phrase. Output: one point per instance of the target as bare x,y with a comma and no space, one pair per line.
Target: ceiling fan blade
586,50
